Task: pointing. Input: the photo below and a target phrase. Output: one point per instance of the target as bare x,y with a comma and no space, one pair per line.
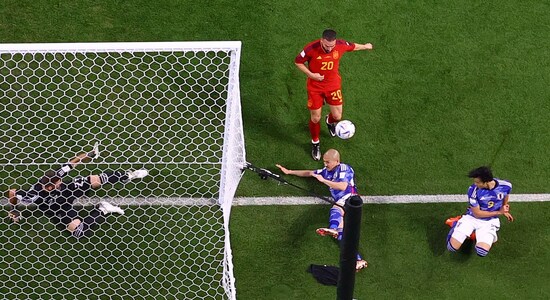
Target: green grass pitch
448,87
405,247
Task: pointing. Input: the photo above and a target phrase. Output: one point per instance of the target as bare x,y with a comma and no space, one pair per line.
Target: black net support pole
348,247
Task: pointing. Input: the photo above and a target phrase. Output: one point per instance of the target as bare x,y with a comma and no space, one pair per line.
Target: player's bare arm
342,185
509,216
80,158
305,70
13,214
505,203
300,173
478,213
85,157
506,199
506,207
367,46
11,197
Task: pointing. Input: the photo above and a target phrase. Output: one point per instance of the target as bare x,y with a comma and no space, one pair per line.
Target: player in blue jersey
488,199
339,177
55,197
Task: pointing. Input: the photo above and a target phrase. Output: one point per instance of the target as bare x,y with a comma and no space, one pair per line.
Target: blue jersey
341,173
489,200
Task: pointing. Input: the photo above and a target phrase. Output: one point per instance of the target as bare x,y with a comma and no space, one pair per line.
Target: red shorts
316,99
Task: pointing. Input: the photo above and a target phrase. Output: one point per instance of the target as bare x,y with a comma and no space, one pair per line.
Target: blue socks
335,218
481,252
450,247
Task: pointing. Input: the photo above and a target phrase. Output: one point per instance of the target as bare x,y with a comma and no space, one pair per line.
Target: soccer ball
345,129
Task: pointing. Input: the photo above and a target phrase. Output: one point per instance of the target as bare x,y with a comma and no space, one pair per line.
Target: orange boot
452,221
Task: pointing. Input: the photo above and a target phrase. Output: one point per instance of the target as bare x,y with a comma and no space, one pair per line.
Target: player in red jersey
323,81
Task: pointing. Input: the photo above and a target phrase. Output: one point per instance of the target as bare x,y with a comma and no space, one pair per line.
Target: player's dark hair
483,173
50,178
329,35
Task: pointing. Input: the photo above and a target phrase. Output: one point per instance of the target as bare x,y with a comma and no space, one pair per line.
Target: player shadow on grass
436,235
301,235
277,120
269,122
274,124
305,224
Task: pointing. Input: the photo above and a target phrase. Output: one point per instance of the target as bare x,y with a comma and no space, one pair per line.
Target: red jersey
324,63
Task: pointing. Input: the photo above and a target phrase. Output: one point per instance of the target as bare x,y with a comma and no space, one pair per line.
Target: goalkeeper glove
95,151
15,215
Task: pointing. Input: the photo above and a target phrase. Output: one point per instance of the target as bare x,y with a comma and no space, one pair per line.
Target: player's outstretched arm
367,46
85,157
301,173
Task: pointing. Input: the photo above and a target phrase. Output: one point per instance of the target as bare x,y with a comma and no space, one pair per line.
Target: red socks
314,130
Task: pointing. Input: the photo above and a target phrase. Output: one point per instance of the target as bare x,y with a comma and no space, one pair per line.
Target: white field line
240,201
383,199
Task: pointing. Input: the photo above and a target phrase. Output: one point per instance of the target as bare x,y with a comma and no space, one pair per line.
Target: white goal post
172,108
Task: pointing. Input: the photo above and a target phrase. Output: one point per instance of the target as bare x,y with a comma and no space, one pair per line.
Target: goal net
172,108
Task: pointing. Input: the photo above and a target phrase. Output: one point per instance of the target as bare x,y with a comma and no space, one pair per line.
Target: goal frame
233,157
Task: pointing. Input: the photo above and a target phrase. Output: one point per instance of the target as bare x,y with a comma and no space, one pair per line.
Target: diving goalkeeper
55,197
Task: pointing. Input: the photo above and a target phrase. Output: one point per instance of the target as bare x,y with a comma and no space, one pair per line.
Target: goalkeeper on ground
55,197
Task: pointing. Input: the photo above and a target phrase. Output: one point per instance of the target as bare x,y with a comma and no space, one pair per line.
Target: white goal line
243,201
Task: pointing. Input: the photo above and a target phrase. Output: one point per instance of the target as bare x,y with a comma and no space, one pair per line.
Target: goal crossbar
120,47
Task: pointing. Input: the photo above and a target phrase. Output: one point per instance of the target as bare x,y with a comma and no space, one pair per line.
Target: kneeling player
488,199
